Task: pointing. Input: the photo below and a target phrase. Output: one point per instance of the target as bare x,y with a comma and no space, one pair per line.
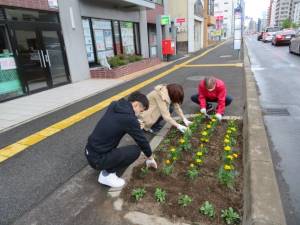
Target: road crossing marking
23,144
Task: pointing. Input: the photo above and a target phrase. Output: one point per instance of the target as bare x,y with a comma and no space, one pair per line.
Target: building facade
47,43
283,11
296,18
223,12
32,53
190,32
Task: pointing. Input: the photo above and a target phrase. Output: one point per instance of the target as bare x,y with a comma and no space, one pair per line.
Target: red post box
168,47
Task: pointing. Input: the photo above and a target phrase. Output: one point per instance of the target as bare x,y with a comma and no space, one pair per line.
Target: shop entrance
40,55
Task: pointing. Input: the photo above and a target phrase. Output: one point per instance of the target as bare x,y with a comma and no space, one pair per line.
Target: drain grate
276,112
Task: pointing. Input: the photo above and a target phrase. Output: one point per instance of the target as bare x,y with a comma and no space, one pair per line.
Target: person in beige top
160,100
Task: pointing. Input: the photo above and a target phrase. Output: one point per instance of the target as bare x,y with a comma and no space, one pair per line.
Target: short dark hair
176,93
139,97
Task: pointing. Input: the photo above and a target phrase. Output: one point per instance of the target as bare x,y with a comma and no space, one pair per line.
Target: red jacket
218,94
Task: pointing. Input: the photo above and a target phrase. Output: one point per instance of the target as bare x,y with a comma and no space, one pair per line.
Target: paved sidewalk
18,111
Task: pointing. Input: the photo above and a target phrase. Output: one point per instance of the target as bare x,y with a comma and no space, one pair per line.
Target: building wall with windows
283,11
31,4
223,12
296,18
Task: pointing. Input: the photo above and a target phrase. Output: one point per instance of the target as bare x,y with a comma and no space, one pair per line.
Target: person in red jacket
212,90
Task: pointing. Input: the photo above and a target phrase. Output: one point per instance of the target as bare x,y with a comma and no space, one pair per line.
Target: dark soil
206,187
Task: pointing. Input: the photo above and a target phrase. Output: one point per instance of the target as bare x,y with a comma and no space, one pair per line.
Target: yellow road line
37,137
213,65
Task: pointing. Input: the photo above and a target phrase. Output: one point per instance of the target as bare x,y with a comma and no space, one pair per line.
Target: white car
295,44
269,33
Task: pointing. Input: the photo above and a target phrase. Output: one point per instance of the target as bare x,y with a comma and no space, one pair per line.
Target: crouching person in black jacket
102,151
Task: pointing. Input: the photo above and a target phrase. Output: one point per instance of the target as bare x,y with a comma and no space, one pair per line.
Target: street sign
165,20
180,20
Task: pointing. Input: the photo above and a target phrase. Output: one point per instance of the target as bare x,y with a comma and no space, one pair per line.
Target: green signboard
165,20
10,85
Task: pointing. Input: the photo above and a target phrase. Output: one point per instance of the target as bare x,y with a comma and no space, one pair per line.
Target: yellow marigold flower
174,158
213,120
204,133
233,128
172,149
208,126
181,141
198,161
192,165
206,140
227,136
226,141
229,131
202,139
201,146
230,157
227,167
168,162
227,148
235,155
199,153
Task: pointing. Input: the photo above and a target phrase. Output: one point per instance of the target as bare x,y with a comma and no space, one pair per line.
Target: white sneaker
111,180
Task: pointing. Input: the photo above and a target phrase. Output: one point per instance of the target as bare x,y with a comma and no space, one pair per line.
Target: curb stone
262,203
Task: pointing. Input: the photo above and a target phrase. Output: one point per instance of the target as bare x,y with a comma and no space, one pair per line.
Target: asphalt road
277,73
28,178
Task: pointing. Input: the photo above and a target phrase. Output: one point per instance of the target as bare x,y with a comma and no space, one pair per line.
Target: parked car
295,43
259,36
283,37
268,33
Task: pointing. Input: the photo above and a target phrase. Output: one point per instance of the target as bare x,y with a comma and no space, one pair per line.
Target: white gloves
150,162
181,128
187,122
219,116
203,111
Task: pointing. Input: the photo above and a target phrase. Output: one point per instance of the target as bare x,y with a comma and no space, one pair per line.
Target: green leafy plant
184,200
144,171
208,209
117,61
230,216
226,177
167,169
160,195
192,173
138,193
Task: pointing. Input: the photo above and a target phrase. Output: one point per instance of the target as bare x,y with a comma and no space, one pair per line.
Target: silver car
295,44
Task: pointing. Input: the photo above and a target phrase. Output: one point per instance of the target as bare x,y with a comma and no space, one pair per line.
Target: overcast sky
255,8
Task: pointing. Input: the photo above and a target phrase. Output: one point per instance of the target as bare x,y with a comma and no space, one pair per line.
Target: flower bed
199,177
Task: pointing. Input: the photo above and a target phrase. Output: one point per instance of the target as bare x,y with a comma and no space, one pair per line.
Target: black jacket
118,120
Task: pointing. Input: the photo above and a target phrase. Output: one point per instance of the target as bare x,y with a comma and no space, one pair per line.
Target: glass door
31,60
54,56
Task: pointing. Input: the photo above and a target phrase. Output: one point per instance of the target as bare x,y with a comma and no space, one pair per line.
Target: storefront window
88,40
117,37
127,38
10,85
103,38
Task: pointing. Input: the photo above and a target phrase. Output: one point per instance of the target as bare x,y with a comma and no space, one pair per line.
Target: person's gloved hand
203,111
187,122
150,162
181,128
219,116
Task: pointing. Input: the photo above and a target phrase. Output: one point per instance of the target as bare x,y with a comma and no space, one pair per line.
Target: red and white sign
180,21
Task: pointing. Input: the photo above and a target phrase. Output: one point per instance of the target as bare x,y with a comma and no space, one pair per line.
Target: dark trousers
115,159
228,100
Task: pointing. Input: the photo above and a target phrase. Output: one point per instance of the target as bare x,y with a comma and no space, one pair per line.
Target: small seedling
184,200
226,177
138,193
208,209
230,216
160,195
144,171
167,169
192,173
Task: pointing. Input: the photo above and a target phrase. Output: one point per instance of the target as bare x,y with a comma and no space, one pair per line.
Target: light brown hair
210,82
